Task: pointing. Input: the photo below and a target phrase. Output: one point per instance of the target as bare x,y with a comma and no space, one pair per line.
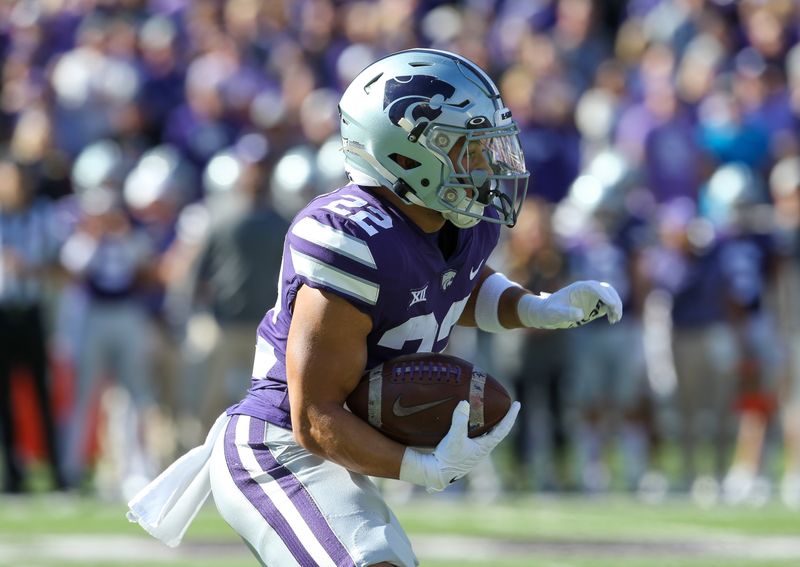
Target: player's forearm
335,434
508,307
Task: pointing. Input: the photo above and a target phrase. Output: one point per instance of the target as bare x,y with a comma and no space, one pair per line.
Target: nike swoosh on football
473,273
403,411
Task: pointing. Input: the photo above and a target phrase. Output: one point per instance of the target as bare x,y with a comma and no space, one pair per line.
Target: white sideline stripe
277,496
264,359
322,273
328,237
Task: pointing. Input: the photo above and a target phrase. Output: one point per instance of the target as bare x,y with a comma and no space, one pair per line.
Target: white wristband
420,469
486,306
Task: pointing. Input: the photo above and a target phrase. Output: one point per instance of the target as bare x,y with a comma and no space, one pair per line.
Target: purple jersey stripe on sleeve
252,491
299,496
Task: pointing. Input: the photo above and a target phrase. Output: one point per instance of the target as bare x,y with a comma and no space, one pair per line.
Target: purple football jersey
359,246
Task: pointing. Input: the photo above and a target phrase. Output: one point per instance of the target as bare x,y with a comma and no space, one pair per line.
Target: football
411,398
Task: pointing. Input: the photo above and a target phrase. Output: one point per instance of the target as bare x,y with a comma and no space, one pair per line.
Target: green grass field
45,531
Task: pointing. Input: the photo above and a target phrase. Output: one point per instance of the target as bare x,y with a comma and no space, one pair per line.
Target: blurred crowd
152,153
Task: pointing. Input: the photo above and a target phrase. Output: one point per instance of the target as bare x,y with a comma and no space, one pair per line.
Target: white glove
572,306
456,454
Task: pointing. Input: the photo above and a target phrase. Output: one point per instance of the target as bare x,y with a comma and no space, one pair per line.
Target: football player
382,267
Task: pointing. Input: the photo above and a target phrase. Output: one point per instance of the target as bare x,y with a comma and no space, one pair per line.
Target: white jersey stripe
277,496
328,237
322,273
264,359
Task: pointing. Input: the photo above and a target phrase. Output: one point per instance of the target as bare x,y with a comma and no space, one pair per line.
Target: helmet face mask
488,171
430,125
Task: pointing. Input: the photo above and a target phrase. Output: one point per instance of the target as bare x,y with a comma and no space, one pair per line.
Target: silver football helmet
404,116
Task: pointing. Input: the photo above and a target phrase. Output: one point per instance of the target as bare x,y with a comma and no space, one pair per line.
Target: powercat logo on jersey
417,96
447,278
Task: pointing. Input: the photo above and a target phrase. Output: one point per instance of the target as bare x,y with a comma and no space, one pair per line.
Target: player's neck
427,220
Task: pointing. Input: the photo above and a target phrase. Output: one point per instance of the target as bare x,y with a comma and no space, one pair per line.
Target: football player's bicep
326,350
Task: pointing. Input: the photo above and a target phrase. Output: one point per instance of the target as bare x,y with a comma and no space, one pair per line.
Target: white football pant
294,508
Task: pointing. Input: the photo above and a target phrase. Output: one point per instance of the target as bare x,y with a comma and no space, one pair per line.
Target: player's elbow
302,430
309,429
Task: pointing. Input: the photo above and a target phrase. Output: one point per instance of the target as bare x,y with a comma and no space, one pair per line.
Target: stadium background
662,137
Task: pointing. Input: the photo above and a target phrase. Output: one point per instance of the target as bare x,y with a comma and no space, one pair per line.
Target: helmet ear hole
405,162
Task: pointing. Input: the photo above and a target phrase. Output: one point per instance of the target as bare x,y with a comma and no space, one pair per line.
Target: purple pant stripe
299,495
259,499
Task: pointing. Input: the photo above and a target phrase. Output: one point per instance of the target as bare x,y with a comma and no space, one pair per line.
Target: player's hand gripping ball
411,398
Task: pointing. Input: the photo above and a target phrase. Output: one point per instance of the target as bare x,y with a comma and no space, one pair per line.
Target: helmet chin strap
482,185
460,219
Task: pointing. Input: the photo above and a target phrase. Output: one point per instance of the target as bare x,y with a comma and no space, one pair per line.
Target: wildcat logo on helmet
417,96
